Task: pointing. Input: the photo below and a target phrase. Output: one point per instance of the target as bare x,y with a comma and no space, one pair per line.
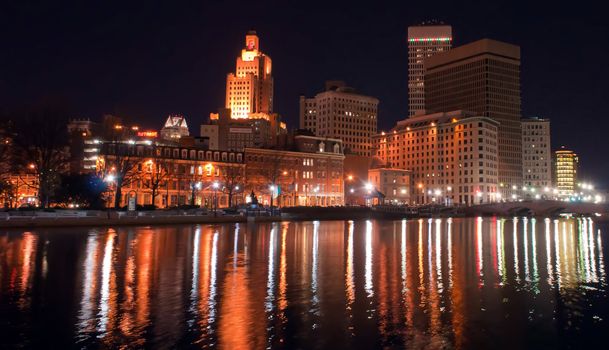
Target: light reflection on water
365,284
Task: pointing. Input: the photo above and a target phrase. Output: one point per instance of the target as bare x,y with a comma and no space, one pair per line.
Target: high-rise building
247,119
340,112
536,153
249,90
565,171
452,156
423,41
482,77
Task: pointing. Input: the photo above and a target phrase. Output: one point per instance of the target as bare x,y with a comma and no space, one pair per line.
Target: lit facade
565,170
259,130
340,112
482,77
180,172
307,173
393,183
452,156
423,41
175,128
249,89
536,153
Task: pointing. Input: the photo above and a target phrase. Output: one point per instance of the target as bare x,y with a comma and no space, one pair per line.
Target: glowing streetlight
369,186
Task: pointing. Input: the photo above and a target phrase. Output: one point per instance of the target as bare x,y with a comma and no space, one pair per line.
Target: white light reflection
450,251
515,239
592,250
479,250
549,253
349,279
557,253
534,247
525,223
86,304
105,286
236,245
500,251
195,268
212,278
601,260
439,253
403,255
368,268
270,279
315,266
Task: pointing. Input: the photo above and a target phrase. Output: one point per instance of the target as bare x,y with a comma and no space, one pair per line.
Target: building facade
249,90
565,171
309,172
394,184
452,156
482,77
423,41
175,128
258,131
340,112
172,175
536,153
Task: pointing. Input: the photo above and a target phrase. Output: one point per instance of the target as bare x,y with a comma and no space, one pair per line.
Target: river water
440,283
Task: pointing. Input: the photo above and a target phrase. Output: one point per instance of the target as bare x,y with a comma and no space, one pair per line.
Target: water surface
461,283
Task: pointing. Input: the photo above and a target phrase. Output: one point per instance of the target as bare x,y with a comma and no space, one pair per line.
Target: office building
452,156
536,153
340,112
423,41
565,171
482,77
249,90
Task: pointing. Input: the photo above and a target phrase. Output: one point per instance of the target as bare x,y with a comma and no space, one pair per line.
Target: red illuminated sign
147,133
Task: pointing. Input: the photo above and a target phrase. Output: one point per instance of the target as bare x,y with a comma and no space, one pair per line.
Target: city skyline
551,81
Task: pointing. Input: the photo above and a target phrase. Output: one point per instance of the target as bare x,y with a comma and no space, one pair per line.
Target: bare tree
154,174
268,172
232,178
119,166
40,148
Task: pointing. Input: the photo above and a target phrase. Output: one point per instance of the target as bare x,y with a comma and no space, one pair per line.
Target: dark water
462,283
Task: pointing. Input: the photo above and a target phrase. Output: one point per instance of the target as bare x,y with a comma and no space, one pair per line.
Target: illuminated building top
249,90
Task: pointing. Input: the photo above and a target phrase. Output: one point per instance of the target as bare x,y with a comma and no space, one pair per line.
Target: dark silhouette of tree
119,167
40,147
233,180
155,173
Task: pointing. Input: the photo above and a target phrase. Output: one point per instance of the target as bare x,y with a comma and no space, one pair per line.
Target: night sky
146,60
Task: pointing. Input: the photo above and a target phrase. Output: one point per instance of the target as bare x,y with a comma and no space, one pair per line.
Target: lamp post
215,185
272,189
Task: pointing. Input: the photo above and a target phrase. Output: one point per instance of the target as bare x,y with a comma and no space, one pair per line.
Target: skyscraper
482,77
536,153
565,171
340,112
423,41
249,90
247,119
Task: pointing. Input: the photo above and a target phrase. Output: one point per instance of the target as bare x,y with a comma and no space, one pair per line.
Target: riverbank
76,218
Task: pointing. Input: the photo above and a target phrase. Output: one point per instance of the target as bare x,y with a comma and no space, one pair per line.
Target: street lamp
215,185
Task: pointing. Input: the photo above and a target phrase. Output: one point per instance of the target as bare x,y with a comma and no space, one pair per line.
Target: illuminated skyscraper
423,41
249,90
536,153
482,77
341,112
565,171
